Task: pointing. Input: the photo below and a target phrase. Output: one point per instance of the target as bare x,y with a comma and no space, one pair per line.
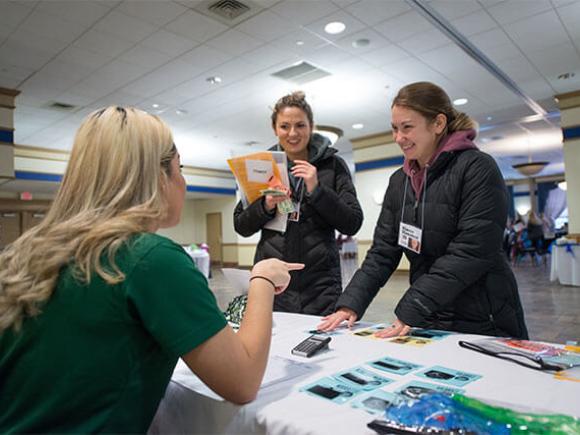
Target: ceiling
157,55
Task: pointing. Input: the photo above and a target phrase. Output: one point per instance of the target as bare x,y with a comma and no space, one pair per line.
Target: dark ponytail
430,100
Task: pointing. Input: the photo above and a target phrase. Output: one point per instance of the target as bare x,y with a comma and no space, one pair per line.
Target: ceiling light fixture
334,28
460,101
299,43
155,106
214,80
530,169
358,126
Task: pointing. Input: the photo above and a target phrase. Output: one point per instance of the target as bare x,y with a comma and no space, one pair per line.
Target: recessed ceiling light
489,118
155,105
214,80
358,126
362,42
460,101
334,28
180,112
299,43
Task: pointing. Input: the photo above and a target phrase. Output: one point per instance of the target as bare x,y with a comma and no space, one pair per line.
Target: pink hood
460,140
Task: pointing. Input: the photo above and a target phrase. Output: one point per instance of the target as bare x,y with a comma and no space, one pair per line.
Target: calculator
311,345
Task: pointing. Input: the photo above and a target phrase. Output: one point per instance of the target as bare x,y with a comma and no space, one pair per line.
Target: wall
371,184
225,206
185,232
192,227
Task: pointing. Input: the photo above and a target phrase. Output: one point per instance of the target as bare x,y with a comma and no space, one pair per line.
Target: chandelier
530,169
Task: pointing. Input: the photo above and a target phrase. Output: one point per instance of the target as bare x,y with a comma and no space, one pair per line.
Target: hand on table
334,320
396,329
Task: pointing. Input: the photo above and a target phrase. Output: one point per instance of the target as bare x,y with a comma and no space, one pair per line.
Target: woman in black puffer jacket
449,203
322,187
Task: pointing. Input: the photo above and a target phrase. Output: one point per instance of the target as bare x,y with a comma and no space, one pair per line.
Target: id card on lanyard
410,235
294,216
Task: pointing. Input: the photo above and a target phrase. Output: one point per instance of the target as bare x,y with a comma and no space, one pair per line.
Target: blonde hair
112,189
430,100
533,218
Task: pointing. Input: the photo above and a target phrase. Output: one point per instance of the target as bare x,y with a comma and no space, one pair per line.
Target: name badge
294,216
410,237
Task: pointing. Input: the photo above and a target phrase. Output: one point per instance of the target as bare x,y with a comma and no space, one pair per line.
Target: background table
282,409
565,266
200,258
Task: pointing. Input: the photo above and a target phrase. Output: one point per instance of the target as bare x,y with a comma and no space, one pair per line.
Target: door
213,225
9,227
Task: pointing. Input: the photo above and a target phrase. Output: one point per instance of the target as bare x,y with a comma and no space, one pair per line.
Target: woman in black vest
446,210
323,192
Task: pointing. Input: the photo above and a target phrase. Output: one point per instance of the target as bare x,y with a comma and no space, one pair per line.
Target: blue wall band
37,176
570,133
377,164
7,136
217,190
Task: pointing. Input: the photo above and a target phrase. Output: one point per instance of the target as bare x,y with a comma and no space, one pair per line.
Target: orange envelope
253,172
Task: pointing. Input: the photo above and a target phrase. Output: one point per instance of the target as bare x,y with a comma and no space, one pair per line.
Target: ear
440,122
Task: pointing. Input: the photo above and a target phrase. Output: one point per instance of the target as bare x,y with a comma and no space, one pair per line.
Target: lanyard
422,200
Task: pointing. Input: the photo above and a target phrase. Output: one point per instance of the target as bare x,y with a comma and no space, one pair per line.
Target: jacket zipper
415,211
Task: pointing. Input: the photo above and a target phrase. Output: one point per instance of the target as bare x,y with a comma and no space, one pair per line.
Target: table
565,266
201,259
281,409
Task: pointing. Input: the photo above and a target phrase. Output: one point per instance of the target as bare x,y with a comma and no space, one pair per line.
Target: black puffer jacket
331,206
461,280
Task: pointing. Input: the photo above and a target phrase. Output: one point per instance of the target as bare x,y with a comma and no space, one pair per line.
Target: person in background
535,229
95,308
452,198
548,230
325,197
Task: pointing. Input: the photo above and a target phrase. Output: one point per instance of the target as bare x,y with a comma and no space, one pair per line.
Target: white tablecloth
282,409
566,264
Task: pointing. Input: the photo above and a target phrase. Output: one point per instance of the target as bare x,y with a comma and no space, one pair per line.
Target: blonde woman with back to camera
95,308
